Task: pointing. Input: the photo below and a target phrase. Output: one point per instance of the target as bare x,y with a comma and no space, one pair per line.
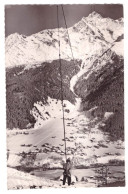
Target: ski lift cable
60,63
69,43
61,76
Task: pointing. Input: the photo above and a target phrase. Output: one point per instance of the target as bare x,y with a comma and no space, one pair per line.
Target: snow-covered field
88,146
84,147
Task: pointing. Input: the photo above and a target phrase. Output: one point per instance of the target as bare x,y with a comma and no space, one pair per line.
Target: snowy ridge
89,37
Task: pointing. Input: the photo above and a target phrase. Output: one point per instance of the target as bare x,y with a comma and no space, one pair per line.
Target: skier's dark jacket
67,168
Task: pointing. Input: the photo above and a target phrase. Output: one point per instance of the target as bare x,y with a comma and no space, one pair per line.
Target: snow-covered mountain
89,38
95,76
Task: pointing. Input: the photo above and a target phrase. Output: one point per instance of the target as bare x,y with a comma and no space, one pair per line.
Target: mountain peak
94,14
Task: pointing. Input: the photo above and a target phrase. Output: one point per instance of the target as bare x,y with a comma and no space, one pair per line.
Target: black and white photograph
64,66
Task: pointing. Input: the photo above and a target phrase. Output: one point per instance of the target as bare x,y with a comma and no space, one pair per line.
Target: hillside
26,87
102,93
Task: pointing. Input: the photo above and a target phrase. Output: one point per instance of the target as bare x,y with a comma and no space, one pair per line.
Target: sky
30,19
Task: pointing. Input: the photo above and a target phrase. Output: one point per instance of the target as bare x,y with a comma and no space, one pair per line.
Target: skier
67,173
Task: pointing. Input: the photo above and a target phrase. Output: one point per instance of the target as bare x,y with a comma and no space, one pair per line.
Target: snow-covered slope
89,38
53,109
21,180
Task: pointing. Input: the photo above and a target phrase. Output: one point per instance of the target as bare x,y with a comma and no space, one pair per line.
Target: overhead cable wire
61,77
